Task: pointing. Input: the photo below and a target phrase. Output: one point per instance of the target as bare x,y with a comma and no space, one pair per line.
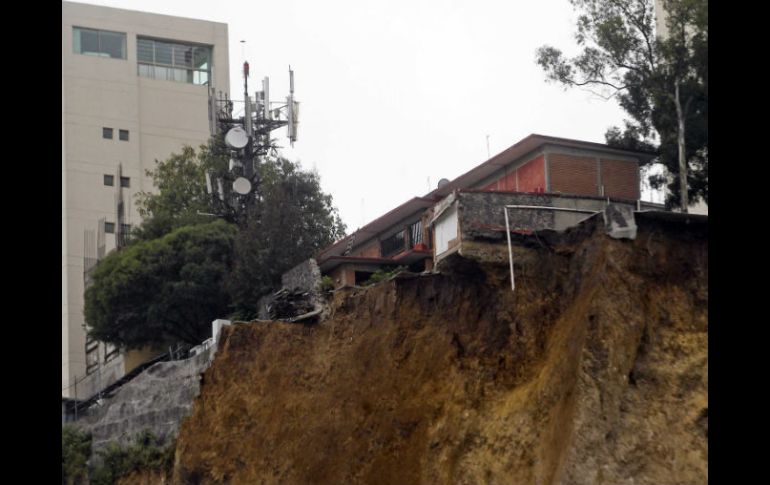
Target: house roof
416,204
404,257
469,178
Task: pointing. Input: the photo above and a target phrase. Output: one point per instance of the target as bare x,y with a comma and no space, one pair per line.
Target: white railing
535,207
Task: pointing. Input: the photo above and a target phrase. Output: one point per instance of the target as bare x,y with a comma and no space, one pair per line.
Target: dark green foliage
327,283
75,450
164,290
622,57
147,453
182,195
182,270
291,221
383,274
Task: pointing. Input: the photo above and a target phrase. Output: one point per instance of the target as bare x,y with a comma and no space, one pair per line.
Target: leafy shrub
75,451
147,453
383,274
327,283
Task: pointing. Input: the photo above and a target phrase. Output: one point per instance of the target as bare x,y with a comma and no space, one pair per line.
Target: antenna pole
248,162
488,147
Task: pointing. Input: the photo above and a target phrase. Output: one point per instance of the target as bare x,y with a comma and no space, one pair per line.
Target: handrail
537,207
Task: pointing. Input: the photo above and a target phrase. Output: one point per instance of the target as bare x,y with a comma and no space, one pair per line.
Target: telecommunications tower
247,137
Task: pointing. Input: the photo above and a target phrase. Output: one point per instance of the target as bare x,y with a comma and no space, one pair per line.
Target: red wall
572,174
620,179
532,175
531,178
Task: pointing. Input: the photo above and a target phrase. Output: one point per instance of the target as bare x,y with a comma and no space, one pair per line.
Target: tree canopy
181,197
661,82
164,290
290,222
184,268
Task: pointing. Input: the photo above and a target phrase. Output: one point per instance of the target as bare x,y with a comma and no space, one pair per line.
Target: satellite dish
442,182
237,138
242,185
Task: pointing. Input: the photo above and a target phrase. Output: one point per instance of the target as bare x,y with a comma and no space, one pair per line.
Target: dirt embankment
593,372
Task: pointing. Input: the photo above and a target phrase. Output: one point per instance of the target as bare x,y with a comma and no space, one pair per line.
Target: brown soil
594,371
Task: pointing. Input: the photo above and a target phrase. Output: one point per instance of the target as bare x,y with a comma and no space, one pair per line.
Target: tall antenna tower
249,141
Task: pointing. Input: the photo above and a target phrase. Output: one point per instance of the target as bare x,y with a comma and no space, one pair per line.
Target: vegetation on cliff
181,270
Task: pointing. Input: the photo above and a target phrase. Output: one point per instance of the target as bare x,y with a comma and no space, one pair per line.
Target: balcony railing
403,240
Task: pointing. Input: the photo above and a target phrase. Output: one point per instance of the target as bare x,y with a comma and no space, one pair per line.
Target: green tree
291,220
181,197
661,83
162,291
75,451
182,270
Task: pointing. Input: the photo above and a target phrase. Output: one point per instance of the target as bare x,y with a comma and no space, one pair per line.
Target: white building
134,89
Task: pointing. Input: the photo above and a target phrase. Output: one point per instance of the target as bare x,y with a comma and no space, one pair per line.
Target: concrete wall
481,214
160,116
157,399
305,276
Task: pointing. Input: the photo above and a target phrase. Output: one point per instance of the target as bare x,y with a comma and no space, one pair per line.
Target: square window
109,180
125,181
107,133
99,43
91,343
92,360
109,227
110,352
202,58
163,53
186,63
123,135
86,41
183,55
112,44
144,50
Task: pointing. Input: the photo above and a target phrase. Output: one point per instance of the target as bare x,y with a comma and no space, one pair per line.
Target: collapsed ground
595,370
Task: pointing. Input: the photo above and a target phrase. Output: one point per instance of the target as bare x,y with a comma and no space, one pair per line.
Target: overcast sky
394,95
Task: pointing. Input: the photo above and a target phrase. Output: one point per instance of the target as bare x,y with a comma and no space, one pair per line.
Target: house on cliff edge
538,171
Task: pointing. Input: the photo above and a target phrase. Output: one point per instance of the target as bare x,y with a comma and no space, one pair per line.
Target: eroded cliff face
594,371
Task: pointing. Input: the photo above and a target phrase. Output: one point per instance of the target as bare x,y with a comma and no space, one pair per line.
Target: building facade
135,89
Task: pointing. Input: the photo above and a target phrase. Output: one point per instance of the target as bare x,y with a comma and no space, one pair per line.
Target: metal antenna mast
249,140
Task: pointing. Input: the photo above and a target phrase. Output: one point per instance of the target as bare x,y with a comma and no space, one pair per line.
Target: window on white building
173,61
110,352
100,43
92,355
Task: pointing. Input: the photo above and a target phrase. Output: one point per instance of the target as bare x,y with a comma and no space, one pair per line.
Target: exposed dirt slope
593,372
